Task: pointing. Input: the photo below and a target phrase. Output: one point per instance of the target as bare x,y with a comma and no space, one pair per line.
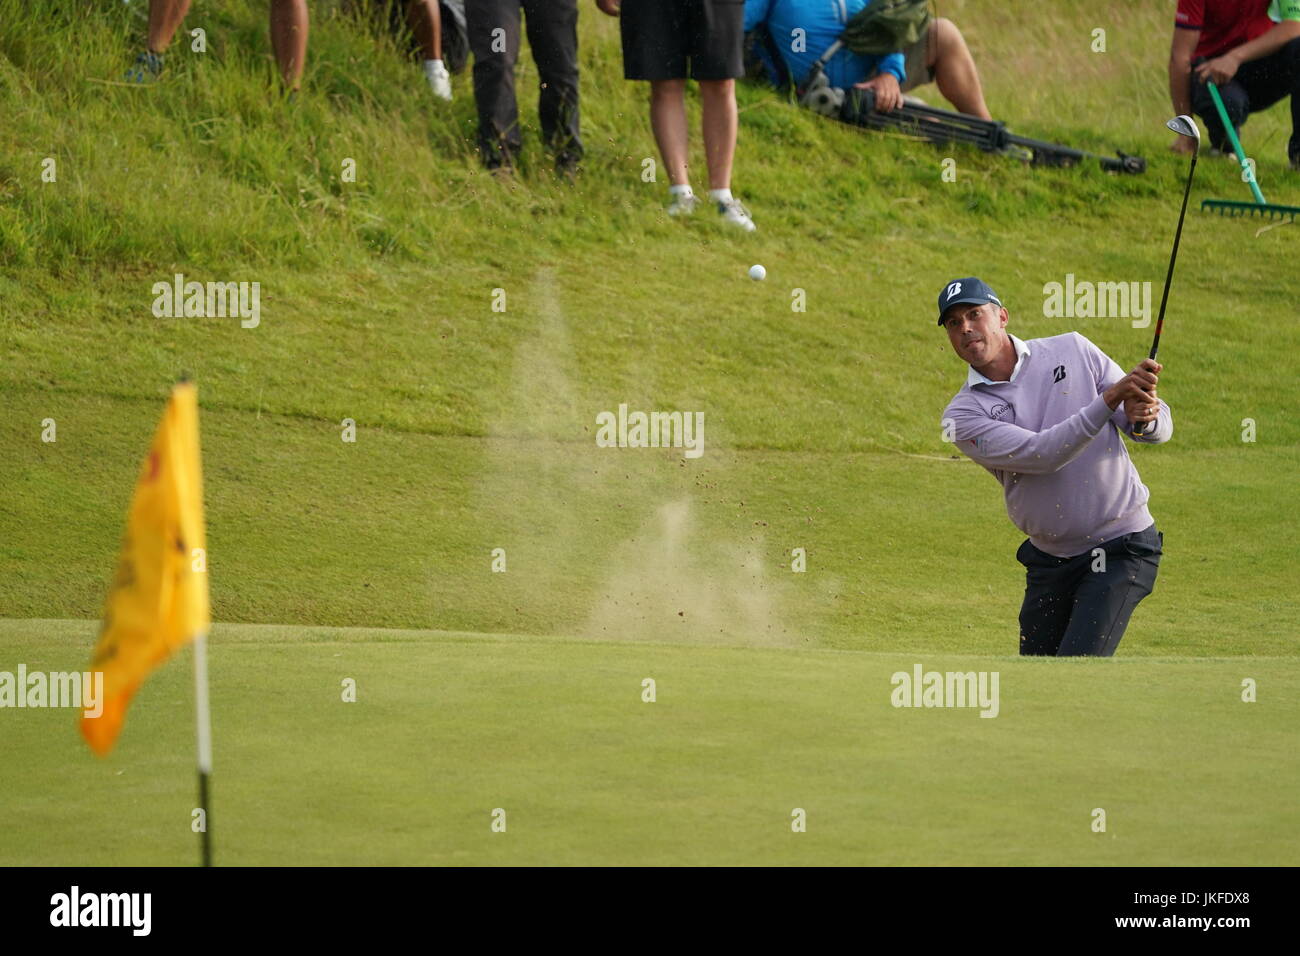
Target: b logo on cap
954,289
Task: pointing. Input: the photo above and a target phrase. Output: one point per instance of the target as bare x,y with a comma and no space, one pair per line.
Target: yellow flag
159,597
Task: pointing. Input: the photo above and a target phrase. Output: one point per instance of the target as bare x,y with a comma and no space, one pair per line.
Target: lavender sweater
1050,440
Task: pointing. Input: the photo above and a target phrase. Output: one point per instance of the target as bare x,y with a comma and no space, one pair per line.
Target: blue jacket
822,22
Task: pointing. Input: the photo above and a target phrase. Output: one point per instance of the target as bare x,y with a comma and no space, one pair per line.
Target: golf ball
757,272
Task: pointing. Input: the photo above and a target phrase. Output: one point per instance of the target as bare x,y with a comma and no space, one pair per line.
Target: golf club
1183,126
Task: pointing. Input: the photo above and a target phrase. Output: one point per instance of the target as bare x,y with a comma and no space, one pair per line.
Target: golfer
1045,417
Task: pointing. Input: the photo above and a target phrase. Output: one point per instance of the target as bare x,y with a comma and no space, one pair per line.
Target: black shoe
567,167
502,172
499,161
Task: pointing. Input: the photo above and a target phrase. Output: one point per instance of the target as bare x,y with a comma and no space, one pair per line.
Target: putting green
449,727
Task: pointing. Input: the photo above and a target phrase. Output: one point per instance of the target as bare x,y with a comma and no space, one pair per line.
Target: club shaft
1141,428
1173,258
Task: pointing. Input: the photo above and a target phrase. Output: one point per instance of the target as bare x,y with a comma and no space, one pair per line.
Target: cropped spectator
665,41
288,38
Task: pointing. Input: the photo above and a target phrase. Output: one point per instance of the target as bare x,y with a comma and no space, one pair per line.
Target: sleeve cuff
1097,414
1163,431
1119,419
893,63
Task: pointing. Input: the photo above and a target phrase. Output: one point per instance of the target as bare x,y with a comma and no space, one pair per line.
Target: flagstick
205,739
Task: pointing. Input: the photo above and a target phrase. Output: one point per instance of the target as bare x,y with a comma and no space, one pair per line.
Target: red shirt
1224,24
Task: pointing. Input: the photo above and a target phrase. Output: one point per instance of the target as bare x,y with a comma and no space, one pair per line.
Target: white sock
720,195
434,68
683,190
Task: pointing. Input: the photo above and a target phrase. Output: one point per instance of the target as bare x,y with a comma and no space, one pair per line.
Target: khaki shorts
914,58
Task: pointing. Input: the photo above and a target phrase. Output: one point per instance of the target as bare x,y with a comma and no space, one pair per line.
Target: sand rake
1227,207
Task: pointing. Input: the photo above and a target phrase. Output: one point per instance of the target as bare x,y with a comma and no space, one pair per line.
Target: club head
1186,126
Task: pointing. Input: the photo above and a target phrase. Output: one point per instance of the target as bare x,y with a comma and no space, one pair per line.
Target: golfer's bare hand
608,6
889,95
1138,385
1220,70
1182,144
1139,410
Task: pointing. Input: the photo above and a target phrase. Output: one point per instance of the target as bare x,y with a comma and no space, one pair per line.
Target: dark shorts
671,39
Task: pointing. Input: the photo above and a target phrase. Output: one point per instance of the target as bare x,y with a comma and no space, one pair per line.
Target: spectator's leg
289,39
668,120
1236,103
716,34
718,105
493,27
954,70
553,35
1105,599
425,21
165,17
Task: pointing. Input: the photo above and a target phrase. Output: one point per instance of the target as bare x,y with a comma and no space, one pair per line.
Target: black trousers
1257,85
494,37
1072,610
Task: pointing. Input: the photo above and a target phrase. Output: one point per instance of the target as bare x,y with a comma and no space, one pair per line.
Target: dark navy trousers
1072,610
1258,85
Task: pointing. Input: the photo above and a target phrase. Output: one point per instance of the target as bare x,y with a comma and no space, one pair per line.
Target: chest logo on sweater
1002,412
1058,373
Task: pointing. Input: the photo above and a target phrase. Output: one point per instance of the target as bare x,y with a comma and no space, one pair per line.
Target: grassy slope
447,727
476,426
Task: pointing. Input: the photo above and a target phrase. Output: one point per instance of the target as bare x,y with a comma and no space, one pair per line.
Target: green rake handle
1236,143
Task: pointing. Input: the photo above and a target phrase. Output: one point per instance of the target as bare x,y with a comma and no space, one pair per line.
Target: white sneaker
734,213
439,82
683,204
